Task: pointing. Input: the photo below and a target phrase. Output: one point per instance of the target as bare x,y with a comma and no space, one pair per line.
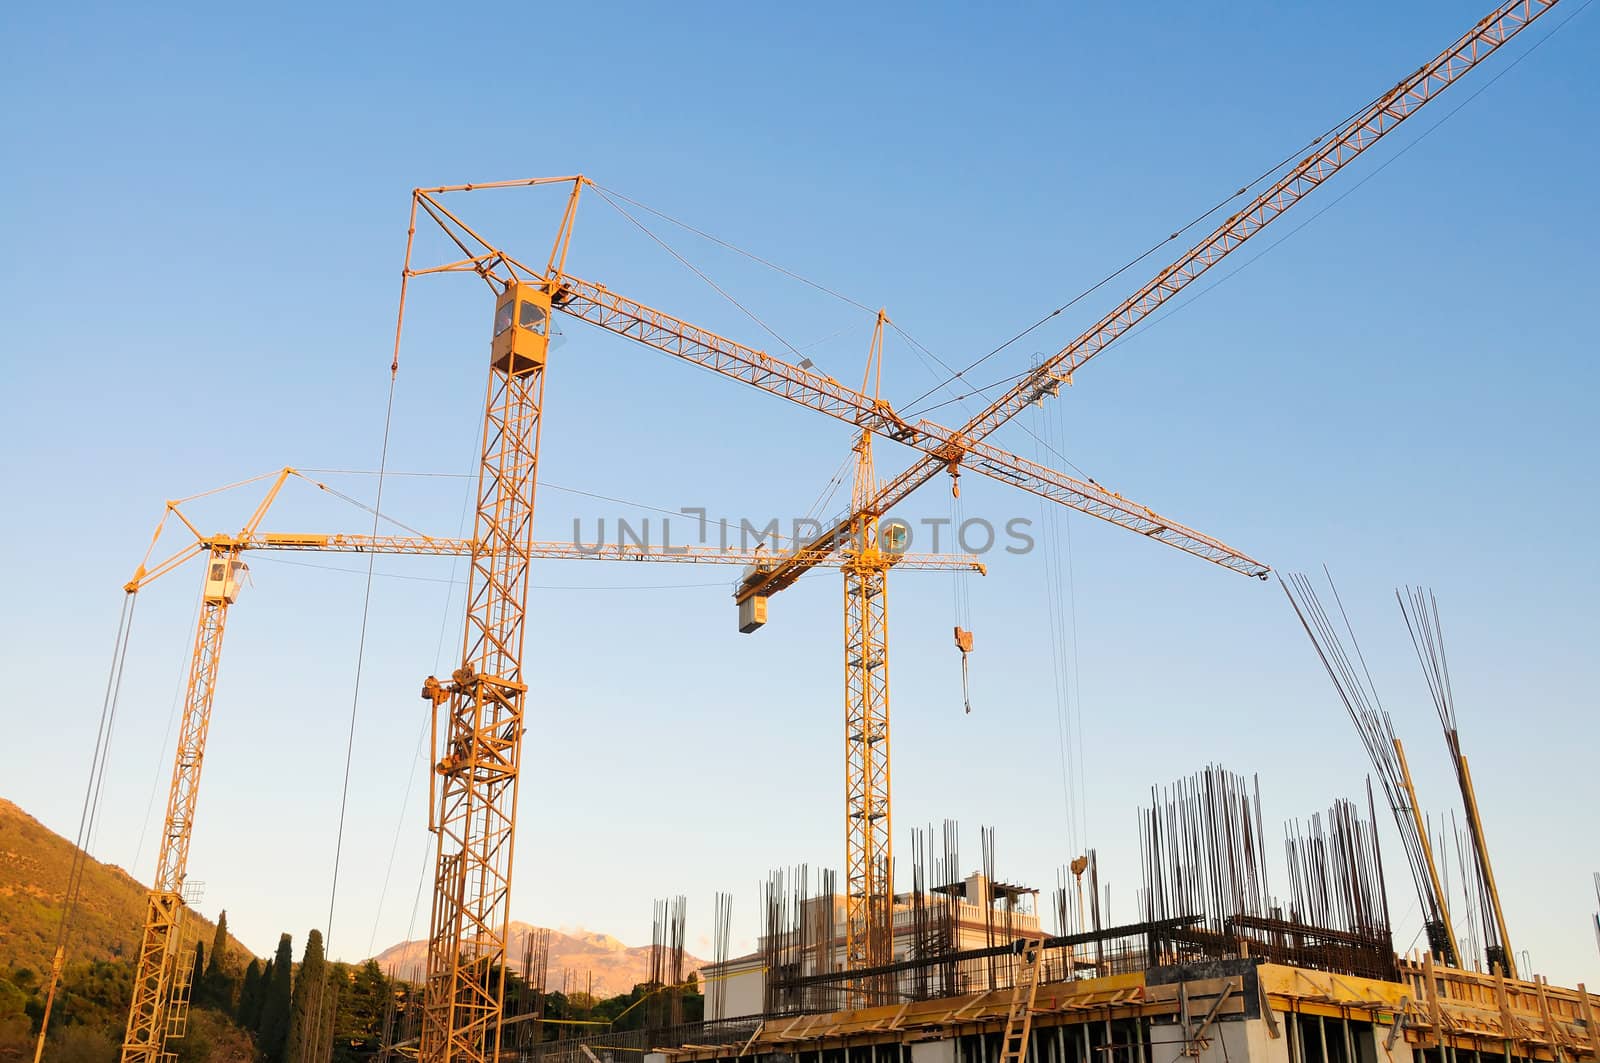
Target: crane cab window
530,316
502,316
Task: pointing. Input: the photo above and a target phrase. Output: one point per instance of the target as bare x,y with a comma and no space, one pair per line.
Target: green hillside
34,864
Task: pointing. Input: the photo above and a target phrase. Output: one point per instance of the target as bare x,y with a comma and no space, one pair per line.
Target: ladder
1024,988
178,999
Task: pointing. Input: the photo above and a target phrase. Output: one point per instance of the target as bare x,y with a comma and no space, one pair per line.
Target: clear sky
203,221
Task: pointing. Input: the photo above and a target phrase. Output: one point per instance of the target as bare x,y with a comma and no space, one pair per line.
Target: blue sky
204,216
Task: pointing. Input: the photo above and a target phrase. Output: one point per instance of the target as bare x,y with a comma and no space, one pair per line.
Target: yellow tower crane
152,1016
150,1021
485,697
481,750
156,1013
949,451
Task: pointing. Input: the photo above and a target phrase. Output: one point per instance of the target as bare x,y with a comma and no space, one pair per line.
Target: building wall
746,976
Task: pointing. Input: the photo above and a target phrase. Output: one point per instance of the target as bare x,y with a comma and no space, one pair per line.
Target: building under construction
1217,966
958,968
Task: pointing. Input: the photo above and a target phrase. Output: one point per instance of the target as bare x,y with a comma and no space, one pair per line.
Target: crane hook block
964,644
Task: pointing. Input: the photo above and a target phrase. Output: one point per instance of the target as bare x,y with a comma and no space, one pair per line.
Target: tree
363,1006
219,945
310,1012
215,988
81,1044
198,974
276,1003
248,1013
211,1038
16,1028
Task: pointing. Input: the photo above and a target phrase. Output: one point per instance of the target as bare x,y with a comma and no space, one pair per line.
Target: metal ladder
178,999
1024,988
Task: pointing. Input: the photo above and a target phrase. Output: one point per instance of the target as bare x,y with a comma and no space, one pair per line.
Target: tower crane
156,1013
485,698
482,702
965,447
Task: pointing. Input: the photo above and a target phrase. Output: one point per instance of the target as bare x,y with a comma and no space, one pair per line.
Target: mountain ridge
576,954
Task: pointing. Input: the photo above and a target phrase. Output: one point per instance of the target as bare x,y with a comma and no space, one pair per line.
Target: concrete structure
1239,1010
984,913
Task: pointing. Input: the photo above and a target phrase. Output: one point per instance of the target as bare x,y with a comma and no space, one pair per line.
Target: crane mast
151,1020
869,863
480,709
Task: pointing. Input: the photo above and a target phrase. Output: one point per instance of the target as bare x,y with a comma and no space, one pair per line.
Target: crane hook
964,644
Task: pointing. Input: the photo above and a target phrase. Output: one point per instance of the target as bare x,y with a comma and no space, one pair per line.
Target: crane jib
1359,134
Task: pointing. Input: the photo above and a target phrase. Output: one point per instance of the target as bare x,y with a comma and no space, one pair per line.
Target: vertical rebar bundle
530,992
666,960
1201,850
785,930
1336,872
826,942
948,922
923,944
721,934
986,844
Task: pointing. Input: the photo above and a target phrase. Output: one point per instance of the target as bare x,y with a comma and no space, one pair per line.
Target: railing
630,1046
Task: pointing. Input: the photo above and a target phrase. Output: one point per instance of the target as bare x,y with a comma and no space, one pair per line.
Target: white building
979,913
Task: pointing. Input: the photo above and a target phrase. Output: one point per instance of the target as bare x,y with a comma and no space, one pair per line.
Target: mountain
35,862
34,865
575,954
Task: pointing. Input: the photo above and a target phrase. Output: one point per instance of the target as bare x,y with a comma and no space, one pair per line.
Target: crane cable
910,411
963,600
418,761
1060,585
166,736
922,352
1146,253
90,811
697,271
355,701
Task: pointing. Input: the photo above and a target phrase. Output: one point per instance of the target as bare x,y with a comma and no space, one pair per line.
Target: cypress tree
276,1002
249,1011
217,986
197,976
305,1012
261,997
219,945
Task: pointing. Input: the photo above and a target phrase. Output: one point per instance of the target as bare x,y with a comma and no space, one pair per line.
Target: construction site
1235,939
